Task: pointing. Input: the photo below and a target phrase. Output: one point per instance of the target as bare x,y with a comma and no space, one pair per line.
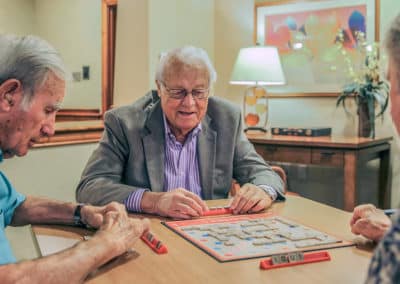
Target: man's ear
158,88
10,94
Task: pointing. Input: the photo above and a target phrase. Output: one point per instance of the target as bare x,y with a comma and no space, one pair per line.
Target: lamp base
256,128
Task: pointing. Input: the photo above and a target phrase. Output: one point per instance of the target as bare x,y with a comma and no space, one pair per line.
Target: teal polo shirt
9,201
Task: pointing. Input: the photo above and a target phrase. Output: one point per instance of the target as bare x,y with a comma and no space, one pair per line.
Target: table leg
350,180
385,180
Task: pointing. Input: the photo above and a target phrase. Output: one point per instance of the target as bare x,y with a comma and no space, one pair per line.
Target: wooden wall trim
71,136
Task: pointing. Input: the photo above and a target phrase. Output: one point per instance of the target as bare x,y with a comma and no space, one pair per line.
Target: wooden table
345,152
186,264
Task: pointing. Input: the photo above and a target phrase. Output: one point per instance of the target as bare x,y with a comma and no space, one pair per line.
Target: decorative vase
365,125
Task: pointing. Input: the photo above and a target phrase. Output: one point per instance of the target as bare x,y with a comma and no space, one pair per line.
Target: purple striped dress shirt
181,167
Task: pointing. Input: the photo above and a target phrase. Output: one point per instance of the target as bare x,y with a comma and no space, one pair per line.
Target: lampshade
258,65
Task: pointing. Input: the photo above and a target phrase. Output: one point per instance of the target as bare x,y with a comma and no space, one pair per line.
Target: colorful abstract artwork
306,36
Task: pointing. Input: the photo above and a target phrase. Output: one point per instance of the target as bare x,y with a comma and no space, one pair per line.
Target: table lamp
257,66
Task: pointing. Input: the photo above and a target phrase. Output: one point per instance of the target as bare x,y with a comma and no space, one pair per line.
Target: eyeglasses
179,94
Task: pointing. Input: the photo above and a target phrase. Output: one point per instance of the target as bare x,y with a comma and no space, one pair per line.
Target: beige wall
9,9
73,27
132,52
145,29
183,22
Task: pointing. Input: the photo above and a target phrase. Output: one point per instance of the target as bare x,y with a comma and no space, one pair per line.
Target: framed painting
306,35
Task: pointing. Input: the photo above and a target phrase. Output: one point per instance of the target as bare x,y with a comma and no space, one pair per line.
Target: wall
77,40
145,29
132,52
183,22
73,27
8,11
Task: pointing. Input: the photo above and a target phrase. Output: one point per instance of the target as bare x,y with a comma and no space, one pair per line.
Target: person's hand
180,203
120,231
94,215
250,199
369,222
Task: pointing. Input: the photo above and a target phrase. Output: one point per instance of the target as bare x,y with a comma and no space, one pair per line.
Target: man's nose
188,100
48,128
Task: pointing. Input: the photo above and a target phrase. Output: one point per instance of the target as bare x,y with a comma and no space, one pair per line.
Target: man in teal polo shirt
32,87
9,200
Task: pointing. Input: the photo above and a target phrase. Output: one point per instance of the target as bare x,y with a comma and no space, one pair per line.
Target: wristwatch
77,215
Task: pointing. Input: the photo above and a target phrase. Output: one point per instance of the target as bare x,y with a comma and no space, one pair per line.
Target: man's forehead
184,72
51,92
53,82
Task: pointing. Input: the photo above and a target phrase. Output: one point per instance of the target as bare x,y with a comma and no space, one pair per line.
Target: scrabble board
236,237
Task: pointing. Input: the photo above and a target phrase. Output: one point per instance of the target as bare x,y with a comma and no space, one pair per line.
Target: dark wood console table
346,152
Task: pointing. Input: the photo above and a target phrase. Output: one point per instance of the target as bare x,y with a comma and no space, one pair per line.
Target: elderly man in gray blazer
176,146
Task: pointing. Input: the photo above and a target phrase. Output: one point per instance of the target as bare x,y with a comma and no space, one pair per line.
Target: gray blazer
131,154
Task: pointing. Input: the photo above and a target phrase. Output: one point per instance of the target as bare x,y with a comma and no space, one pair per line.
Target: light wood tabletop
185,263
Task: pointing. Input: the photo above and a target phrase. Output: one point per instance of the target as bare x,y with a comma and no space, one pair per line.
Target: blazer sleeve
102,178
250,167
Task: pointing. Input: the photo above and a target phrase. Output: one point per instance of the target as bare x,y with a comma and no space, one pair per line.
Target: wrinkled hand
180,203
94,215
120,231
250,199
369,222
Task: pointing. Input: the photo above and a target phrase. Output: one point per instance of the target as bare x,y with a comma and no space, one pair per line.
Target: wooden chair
279,170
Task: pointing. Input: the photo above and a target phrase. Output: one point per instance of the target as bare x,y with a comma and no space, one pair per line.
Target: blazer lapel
153,144
206,155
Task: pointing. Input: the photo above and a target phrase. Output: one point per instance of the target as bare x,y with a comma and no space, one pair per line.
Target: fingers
198,200
373,227
121,231
146,225
109,219
184,209
93,215
358,226
180,216
250,199
140,226
192,209
96,220
362,211
180,203
240,200
114,206
261,205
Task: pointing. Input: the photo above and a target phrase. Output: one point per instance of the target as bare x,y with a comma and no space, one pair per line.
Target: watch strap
77,215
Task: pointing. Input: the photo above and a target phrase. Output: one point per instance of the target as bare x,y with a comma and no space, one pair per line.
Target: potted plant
367,87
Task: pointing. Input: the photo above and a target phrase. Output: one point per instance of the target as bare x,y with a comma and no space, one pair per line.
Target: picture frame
305,34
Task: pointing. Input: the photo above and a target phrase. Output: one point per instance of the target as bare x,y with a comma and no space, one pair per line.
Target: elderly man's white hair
29,59
189,56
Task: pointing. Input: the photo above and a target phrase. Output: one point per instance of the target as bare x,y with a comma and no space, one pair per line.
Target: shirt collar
168,133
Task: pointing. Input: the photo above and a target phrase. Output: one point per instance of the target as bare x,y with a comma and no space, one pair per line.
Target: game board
236,237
